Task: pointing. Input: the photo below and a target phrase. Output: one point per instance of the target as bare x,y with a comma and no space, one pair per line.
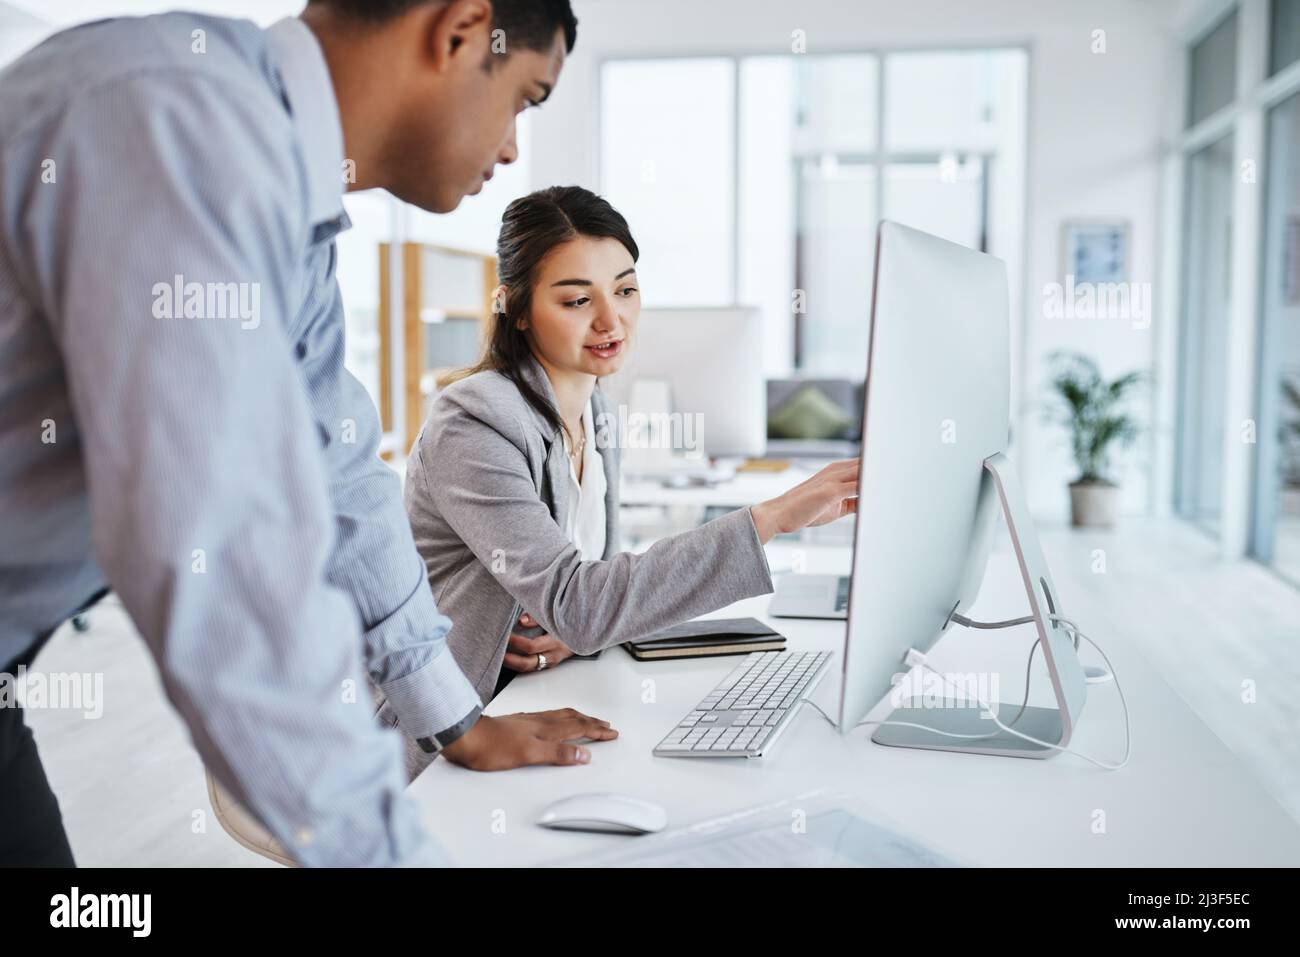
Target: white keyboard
743,715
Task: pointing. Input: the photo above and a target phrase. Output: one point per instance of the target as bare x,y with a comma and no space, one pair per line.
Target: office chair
242,826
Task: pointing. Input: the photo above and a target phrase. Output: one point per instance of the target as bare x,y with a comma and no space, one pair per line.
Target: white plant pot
1093,504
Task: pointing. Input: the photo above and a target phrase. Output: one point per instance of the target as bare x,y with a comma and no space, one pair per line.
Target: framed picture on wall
1095,251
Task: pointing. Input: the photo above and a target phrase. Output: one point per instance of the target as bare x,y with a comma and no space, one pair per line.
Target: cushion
808,414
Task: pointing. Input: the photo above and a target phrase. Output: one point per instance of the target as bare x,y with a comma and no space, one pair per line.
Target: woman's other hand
522,652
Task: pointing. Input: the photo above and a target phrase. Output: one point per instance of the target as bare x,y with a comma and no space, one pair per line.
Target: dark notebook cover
718,636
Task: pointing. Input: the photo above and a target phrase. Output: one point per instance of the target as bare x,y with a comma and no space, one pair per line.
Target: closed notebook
717,636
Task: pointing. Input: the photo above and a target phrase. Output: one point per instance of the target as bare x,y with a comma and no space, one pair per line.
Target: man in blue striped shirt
175,420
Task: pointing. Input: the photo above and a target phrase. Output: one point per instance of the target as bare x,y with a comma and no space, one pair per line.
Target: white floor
132,787
130,784
1225,635
1286,542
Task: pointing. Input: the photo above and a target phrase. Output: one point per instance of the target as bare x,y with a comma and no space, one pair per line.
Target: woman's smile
606,350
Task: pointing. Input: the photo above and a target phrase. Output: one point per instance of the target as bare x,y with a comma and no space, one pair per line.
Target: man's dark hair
528,24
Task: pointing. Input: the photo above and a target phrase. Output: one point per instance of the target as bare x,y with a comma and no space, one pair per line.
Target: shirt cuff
432,698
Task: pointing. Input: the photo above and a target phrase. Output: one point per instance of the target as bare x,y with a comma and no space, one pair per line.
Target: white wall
19,32
1093,143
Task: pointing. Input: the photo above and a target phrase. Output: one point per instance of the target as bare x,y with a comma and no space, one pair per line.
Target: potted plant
1093,410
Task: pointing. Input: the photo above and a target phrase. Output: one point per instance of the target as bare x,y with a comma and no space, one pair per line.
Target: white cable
896,724
916,658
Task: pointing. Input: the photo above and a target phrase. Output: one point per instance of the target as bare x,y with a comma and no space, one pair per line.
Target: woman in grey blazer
514,501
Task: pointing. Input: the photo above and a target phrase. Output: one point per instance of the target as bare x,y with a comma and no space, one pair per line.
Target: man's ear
460,27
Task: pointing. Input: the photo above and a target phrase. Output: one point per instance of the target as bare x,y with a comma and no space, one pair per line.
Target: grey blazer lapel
557,477
555,490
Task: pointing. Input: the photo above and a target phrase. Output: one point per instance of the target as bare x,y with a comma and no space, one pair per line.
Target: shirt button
305,836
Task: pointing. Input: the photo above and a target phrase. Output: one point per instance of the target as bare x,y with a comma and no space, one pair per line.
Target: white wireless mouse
609,813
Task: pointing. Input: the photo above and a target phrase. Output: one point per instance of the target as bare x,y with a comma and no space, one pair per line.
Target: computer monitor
712,362
933,476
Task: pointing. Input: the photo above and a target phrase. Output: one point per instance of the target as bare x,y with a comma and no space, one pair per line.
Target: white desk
1183,799
746,488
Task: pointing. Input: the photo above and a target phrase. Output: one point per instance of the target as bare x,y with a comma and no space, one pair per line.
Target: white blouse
585,522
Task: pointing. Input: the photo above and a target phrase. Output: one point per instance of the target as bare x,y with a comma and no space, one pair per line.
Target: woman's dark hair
532,226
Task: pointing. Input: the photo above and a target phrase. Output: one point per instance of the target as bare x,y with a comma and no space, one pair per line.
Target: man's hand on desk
516,740
830,494
522,653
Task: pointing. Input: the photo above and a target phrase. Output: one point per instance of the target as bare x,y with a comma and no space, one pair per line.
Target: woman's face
585,306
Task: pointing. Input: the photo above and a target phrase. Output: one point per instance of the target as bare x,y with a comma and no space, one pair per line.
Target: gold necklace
576,449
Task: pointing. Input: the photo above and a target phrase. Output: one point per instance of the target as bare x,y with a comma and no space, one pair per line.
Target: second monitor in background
704,369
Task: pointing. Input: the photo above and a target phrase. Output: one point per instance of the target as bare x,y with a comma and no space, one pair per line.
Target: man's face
457,129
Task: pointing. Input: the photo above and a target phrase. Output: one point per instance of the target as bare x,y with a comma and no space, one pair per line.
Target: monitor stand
1054,724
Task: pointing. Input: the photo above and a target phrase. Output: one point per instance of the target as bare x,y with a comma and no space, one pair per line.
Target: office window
1285,34
667,130
357,270
1277,503
766,204
1205,306
835,136
835,104
947,198
938,99
836,248
807,206
817,163
955,131
1213,71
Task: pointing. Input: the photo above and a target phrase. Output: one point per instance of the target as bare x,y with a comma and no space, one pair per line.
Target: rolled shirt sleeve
210,510
374,557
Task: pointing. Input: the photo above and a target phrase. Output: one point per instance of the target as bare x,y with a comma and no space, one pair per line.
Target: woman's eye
575,303
628,291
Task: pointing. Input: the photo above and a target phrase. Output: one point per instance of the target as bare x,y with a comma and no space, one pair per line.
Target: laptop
811,596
